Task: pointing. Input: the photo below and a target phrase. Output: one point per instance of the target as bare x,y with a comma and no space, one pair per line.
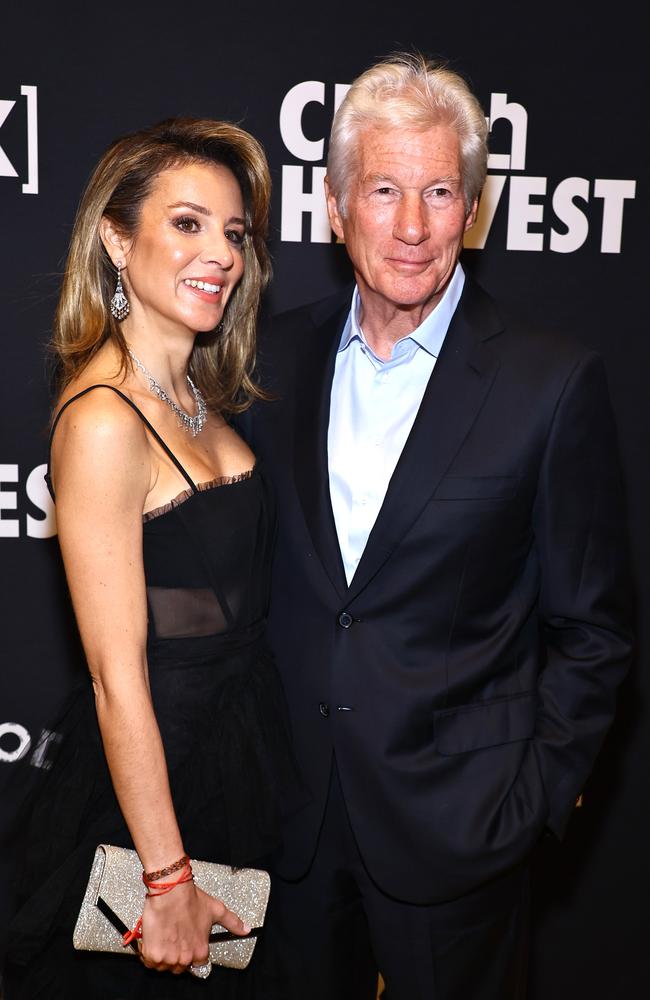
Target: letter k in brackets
6,166
30,93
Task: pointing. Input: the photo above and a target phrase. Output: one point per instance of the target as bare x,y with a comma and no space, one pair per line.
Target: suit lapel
314,382
459,384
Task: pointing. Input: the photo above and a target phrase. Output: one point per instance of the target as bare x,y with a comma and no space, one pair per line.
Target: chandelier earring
119,303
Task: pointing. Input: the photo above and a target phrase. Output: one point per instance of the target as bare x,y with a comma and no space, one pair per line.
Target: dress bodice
202,580
206,559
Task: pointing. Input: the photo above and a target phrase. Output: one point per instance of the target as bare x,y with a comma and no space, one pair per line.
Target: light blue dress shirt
372,408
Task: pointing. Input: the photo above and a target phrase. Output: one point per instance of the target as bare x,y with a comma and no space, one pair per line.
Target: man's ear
333,211
471,215
117,246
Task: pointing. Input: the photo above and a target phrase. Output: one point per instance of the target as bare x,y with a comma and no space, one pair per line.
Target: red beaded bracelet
162,872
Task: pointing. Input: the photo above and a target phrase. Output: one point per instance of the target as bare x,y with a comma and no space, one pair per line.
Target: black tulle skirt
222,716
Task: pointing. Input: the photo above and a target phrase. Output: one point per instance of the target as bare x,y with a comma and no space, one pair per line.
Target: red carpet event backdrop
561,238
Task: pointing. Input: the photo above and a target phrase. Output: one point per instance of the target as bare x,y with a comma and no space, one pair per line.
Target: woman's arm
102,474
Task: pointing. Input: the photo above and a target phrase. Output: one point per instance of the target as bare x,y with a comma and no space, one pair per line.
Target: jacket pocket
477,488
486,724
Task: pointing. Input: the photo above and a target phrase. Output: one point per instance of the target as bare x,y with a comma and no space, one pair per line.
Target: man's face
405,217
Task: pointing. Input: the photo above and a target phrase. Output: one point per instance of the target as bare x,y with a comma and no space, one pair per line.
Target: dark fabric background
581,77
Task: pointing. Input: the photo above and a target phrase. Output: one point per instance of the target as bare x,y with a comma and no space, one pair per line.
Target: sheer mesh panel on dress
181,612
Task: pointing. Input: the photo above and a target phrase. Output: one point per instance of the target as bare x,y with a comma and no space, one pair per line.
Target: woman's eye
187,224
236,236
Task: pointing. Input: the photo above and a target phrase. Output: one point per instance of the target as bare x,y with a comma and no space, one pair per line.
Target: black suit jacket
467,676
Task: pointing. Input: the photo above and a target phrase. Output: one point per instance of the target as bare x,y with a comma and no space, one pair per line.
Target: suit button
324,709
345,619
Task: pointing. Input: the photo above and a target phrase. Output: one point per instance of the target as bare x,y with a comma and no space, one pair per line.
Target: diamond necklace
193,424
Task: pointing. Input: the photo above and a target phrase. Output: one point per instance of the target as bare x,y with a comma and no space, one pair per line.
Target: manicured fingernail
246,928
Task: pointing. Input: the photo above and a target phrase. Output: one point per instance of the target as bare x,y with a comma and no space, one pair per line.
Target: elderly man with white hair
450,604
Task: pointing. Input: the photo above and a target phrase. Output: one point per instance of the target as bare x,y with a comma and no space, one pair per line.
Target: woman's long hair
222,361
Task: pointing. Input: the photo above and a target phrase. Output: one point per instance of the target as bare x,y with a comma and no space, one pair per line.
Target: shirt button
345,619
324,709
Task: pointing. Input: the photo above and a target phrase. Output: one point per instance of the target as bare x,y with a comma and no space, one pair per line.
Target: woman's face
186,258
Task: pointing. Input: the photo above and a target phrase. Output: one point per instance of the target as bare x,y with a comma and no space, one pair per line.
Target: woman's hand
176,927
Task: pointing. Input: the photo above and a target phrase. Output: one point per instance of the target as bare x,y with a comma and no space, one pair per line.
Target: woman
165,527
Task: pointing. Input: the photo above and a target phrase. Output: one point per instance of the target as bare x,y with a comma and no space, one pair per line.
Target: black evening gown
223,722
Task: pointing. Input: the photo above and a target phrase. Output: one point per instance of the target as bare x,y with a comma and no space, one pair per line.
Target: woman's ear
116,244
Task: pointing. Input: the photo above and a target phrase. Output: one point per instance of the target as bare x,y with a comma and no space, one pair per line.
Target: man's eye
187,224
384,190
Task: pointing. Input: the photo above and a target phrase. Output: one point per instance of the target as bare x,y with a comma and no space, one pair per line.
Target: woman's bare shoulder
100,436
97,406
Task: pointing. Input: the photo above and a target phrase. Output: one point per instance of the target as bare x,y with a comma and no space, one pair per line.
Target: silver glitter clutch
115,896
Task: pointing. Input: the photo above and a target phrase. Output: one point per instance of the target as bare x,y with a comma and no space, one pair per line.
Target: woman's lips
209,291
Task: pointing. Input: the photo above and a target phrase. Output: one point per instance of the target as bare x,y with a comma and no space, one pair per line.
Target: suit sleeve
586,595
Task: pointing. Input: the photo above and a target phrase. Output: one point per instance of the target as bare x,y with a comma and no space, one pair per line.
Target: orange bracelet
163,887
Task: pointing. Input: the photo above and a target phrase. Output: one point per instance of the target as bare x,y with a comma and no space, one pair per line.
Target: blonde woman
177,746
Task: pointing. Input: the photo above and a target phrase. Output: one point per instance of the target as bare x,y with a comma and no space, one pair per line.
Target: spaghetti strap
152,430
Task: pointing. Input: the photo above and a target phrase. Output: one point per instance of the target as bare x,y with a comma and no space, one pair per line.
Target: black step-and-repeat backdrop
562,238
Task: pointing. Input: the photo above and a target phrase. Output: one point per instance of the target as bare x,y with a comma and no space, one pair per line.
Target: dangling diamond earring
119,303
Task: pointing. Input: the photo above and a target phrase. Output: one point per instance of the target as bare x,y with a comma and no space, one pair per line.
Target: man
449,610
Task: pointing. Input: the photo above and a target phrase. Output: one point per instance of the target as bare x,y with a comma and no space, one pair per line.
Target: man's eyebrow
375,178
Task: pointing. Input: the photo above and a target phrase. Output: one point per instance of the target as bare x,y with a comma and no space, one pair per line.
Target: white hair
408,92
